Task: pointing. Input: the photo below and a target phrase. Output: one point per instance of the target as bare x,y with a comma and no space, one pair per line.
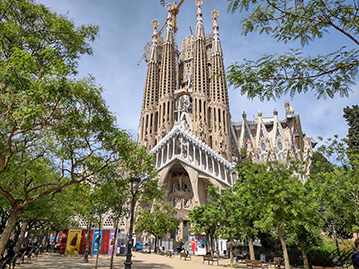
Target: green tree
272,76
158,221
116,184
281,203
340,207
248,202
351,115
48,117
205,219
226,206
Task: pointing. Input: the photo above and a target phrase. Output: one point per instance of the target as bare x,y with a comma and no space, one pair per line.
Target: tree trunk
98,245
21,239
231,248
212,245
87,249
284,248
304,254
155,244
8,229
114,244
208,244
251,246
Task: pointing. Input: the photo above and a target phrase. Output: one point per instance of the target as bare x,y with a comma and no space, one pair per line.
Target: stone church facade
186,122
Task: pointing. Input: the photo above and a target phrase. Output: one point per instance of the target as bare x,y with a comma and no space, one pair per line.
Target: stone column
168,151
194,154
174,146
206,162
162,155
181,230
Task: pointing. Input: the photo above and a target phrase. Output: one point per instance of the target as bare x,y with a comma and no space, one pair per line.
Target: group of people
10,252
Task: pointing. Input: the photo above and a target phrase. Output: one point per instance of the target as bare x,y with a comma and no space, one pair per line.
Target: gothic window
280,145
263,146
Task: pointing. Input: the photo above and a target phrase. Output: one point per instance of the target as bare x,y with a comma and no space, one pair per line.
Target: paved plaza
140,261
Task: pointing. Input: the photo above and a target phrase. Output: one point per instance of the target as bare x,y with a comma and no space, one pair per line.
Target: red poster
105,241
63,241
83,241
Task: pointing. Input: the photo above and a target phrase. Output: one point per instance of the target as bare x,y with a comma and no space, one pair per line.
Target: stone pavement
140,261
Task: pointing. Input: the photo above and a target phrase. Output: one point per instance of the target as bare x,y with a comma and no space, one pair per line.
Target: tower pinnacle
199,25
153,56
169,30
199,3
216,41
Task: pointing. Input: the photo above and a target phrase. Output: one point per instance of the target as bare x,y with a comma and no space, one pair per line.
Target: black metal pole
128,262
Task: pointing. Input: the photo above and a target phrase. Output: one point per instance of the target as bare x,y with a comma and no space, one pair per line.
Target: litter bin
262,257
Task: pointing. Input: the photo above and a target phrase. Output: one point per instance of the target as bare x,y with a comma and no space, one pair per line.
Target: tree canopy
55,129
292,72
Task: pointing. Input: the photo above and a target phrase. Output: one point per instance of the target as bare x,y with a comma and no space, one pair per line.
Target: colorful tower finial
215,15
155,23
216,42
199,3
169,8
169,29
153,55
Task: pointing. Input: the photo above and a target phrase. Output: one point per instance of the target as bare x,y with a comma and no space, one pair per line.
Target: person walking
355,256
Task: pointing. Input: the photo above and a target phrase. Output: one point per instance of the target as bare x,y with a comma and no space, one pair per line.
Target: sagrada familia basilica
186,121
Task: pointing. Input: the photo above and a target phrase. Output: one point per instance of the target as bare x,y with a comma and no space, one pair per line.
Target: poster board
73,241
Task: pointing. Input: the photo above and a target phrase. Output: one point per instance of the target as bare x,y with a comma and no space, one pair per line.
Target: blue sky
125,28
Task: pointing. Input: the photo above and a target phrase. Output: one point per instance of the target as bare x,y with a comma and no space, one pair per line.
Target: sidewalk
140,261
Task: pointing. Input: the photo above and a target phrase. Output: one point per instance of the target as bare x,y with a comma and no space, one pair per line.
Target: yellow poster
73,241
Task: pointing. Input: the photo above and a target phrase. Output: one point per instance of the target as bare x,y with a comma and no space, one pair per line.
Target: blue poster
96,242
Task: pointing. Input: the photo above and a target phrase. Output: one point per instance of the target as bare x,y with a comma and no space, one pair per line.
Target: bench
22,257
185,256
209,258
37,251
324,267
255,264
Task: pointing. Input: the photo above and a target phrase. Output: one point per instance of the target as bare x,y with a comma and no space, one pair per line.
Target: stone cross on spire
199,3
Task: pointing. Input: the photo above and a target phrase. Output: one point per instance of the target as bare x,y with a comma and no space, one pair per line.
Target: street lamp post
134,189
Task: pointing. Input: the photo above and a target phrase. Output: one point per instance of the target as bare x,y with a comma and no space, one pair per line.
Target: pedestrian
355,256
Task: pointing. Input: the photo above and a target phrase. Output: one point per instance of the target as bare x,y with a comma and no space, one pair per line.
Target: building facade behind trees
186,122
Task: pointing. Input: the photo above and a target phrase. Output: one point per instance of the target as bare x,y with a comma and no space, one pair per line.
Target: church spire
149,115
219,105
200,79
216,42
168,79
199,25
169,29
153,55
